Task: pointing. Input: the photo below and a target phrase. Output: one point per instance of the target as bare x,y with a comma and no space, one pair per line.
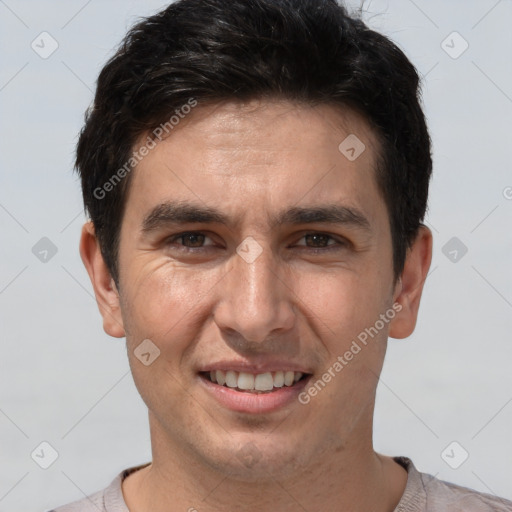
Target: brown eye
318,239
321,241
192,239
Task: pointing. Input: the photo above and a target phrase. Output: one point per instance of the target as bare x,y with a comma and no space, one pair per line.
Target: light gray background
64,381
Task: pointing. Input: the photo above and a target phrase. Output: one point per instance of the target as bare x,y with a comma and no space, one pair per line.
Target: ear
104,286
409,287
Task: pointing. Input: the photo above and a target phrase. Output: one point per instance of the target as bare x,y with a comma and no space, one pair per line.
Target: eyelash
340,243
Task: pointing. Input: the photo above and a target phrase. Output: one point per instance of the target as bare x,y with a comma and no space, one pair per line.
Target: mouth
254,393
267,382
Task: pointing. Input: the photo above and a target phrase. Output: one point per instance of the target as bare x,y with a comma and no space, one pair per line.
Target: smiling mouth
267,382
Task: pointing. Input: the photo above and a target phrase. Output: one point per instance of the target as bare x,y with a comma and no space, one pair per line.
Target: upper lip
252,367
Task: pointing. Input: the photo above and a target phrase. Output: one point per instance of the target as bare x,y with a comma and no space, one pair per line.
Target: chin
253,458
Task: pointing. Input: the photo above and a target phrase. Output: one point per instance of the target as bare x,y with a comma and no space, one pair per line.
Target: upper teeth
259,382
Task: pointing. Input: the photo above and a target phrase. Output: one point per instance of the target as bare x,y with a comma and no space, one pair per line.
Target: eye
322,241
190,240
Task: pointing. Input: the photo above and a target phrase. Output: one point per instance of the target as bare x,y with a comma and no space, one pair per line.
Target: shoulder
425,492
109,499
93,503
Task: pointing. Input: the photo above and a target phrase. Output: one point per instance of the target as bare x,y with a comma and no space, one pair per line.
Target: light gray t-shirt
423,493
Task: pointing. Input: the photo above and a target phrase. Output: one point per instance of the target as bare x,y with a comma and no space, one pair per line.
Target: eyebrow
184,212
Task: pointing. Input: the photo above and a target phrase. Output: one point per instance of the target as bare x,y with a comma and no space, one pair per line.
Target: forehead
252,159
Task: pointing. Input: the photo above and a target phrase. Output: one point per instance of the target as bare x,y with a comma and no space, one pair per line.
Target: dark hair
310,51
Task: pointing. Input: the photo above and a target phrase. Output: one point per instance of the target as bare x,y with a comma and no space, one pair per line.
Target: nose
256,302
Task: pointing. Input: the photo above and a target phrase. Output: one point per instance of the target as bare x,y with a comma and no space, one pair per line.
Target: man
256,174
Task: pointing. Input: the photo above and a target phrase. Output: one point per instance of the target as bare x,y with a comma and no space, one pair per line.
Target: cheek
166,305
342,303
163,301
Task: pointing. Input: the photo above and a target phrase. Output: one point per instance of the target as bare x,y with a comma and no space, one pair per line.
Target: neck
349,476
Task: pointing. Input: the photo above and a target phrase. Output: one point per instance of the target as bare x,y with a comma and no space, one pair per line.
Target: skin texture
299,301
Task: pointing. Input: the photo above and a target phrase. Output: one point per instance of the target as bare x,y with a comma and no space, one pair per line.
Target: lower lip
254,403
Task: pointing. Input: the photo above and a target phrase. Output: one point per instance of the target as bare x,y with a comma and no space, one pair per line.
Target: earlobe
409,287
105,290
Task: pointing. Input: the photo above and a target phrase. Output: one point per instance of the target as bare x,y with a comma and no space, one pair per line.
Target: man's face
269,281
